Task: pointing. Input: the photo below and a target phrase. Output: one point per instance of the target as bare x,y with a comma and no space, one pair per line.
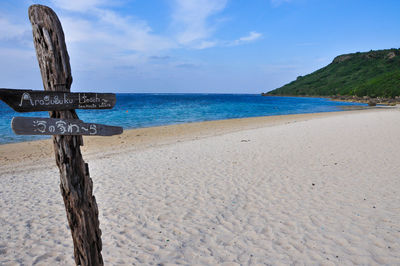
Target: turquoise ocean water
146,110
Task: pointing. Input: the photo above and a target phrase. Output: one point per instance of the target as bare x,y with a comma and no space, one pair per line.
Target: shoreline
371,101
39,152
10,138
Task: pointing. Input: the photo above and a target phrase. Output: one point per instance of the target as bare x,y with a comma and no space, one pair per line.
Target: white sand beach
300,189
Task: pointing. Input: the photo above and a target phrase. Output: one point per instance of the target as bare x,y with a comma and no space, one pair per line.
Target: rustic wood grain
34,100
76,184
54,126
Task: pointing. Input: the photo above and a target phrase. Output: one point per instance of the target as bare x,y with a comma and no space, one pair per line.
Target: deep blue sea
147,110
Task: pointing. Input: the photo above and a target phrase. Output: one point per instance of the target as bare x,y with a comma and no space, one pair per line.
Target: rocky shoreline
355,99
366,99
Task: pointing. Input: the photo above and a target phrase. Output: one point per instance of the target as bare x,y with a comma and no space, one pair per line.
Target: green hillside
374,74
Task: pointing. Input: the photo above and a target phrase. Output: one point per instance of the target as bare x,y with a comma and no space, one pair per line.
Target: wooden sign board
54,126
31,101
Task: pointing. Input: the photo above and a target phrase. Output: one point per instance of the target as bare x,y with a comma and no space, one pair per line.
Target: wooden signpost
33,100
53,126
75,183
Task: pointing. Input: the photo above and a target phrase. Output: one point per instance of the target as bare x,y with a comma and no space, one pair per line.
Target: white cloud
251,37
103,33
19,69
96,28
106,26
192,26
114,32
191,21
205,44
78,30
10,31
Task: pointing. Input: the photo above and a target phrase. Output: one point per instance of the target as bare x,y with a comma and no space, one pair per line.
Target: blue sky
197,46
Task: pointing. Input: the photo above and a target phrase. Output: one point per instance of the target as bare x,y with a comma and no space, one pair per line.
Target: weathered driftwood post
76,184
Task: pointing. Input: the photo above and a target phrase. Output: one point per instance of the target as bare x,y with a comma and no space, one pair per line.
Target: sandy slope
305,189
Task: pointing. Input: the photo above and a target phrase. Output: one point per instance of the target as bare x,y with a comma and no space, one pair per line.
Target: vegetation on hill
373,74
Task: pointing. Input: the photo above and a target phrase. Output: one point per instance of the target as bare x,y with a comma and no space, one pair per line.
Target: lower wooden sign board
33,100
54,126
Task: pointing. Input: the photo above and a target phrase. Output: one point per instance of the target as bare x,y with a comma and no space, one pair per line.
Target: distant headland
372,77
